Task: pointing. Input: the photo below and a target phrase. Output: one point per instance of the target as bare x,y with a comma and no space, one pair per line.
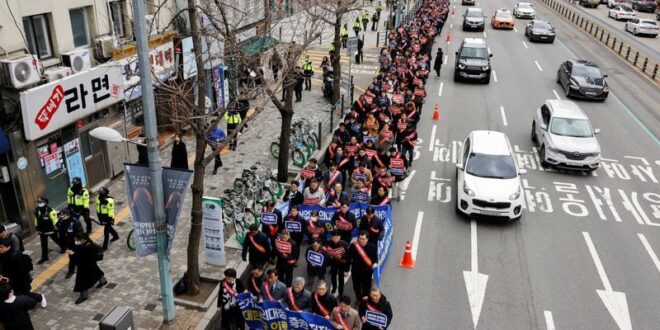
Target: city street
584,255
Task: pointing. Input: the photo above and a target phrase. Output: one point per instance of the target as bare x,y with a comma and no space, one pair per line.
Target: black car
538,30
473,61
473,19
467,2
644,5
583,79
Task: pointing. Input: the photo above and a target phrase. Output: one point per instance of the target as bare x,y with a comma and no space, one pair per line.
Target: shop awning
4,142
257,45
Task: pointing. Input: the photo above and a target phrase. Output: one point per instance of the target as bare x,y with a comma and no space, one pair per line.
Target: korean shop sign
49,107
161,58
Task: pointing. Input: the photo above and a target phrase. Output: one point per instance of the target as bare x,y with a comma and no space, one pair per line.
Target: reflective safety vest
307,65
45,221
81,200
357,25
365,16
379,6
344,32
232,119
107,209
331,48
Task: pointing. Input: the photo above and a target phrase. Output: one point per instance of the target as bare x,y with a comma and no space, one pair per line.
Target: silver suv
565,137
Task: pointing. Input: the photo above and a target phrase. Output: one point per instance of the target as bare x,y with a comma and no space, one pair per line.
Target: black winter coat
89,272
179,156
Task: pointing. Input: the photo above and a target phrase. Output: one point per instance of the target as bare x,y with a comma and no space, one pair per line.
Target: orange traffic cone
407,260
436,113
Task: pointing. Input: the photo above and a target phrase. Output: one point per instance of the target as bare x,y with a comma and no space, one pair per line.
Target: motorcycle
327,84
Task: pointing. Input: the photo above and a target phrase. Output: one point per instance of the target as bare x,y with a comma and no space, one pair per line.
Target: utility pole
155,168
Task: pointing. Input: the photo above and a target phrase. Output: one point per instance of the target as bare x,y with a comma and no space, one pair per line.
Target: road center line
451,25
494,75
538,66
474,259
488,50
549,322
444,61
432,140
514,29
503,116
556,94
599,265
418,231
442,84
649,249
484,34
525,44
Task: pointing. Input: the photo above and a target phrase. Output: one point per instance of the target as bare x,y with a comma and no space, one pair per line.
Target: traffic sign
351,46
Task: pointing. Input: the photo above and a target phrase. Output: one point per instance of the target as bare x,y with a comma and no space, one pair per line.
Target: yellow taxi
502,19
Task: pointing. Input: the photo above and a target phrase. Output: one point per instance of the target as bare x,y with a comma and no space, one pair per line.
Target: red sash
351,149
416,82
322,308
340,318
343,224
313,229
311,201
411,114
374,230
370,306
307,173
342,162
331,153
363,254
333,178
411,140
383,116
228,288
292,300
268,294
385,201
256,245
402,125
371,152
255,286
396,163
395,110
368,98
337,253
386,135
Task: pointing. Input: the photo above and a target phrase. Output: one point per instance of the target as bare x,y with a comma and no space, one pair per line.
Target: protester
271,229
179,154
298,298
231,317
273,289
256,279
373,225
293,194
315,269
375,302
332,177
337,250
315,229
337,196
323,302
363,259
45,222
87,255
344,316
287,252
257,245
295,224
314,195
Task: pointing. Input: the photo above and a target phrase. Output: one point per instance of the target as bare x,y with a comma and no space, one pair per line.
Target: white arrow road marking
494,75
442,84
649,249
556,94
475,282
432,140
418,230
538,65
503,116
614,301
525,44
549,322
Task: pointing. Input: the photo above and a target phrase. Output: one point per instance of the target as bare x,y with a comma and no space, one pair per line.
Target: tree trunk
285,132
336,64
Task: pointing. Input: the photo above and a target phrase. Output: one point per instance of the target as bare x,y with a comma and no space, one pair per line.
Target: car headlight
576,87
467,190
553,150
485,68
461,66
606,89
515,195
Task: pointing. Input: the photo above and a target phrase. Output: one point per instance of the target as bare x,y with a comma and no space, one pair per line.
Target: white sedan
621,12
613,3
642,26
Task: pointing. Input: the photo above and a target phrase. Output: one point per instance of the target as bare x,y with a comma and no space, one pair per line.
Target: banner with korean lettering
212,226
270,315
54,105
175,188
221,86
251,310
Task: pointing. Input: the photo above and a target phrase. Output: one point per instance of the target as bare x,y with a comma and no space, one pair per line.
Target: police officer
308,71
45,221
77,197
365,20
68,227
344,36
331,52
105,210
233,119
357,26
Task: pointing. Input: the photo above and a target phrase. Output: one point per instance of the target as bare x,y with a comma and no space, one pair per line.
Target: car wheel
544,164
533,135
558,80
456,76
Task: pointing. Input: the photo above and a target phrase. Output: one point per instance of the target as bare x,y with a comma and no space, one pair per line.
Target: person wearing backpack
87,254
16,242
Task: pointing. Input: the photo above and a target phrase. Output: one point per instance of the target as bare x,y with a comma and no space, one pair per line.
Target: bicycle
237,213
298,152
130,240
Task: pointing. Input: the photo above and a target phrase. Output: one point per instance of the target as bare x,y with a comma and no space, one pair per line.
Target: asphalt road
584,256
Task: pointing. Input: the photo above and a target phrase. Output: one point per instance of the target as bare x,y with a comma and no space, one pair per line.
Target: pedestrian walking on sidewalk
87,255
216,137
45,222
437,65
68,226
374,21
231,317
357,26
179,154
359,56
299,79
105,210
275,63
14,308
243,106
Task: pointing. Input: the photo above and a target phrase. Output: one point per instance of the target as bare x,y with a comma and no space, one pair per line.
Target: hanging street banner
175,186
270,315
212,227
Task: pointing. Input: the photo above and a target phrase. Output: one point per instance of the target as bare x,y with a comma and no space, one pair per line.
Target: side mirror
490,55
543,127
597,131
459,166
456,53
522,171
605,76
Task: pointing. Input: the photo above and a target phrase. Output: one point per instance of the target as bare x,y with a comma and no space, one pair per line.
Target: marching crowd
370,154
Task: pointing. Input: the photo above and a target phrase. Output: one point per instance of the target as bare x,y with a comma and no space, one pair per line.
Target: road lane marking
495,75
475,282
503,116
418,231
484,34
649,249
525,44
442,84
474,255
514,29
556,94
538,65
451,26
445,59
432,140
549,322
488,50
599,265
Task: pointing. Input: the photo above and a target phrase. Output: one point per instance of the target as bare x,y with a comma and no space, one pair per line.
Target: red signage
48,110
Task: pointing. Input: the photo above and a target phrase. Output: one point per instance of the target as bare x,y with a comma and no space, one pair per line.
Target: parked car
467,2
524,10
488,178
502,19
473,19
648,6
642,26
473,61
589,3
564,136
583,79
538,30
621,12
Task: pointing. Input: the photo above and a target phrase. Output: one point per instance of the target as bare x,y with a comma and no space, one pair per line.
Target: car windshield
570,127
524,6
542,25
626,9
474,52
503,14
587,71
491,166
474,13
647,22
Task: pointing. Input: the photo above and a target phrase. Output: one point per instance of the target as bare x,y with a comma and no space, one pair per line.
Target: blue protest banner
384,245
293,226
317,322
315,258
274,315
268,218
376,319
296,322
251,310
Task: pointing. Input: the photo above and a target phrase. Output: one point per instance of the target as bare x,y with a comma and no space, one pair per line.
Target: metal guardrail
638,59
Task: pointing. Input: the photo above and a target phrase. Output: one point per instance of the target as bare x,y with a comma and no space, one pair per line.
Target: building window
79,27
37,34
117,15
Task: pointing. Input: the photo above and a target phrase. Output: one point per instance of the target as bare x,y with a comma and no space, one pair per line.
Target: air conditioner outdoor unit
104,47
21,71
78,60
57,73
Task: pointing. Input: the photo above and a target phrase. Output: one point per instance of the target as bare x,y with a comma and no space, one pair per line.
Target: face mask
41,204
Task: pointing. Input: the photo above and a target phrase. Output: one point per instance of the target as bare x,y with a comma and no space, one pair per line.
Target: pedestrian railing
635,57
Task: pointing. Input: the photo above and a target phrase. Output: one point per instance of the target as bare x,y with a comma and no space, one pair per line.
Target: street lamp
111,135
